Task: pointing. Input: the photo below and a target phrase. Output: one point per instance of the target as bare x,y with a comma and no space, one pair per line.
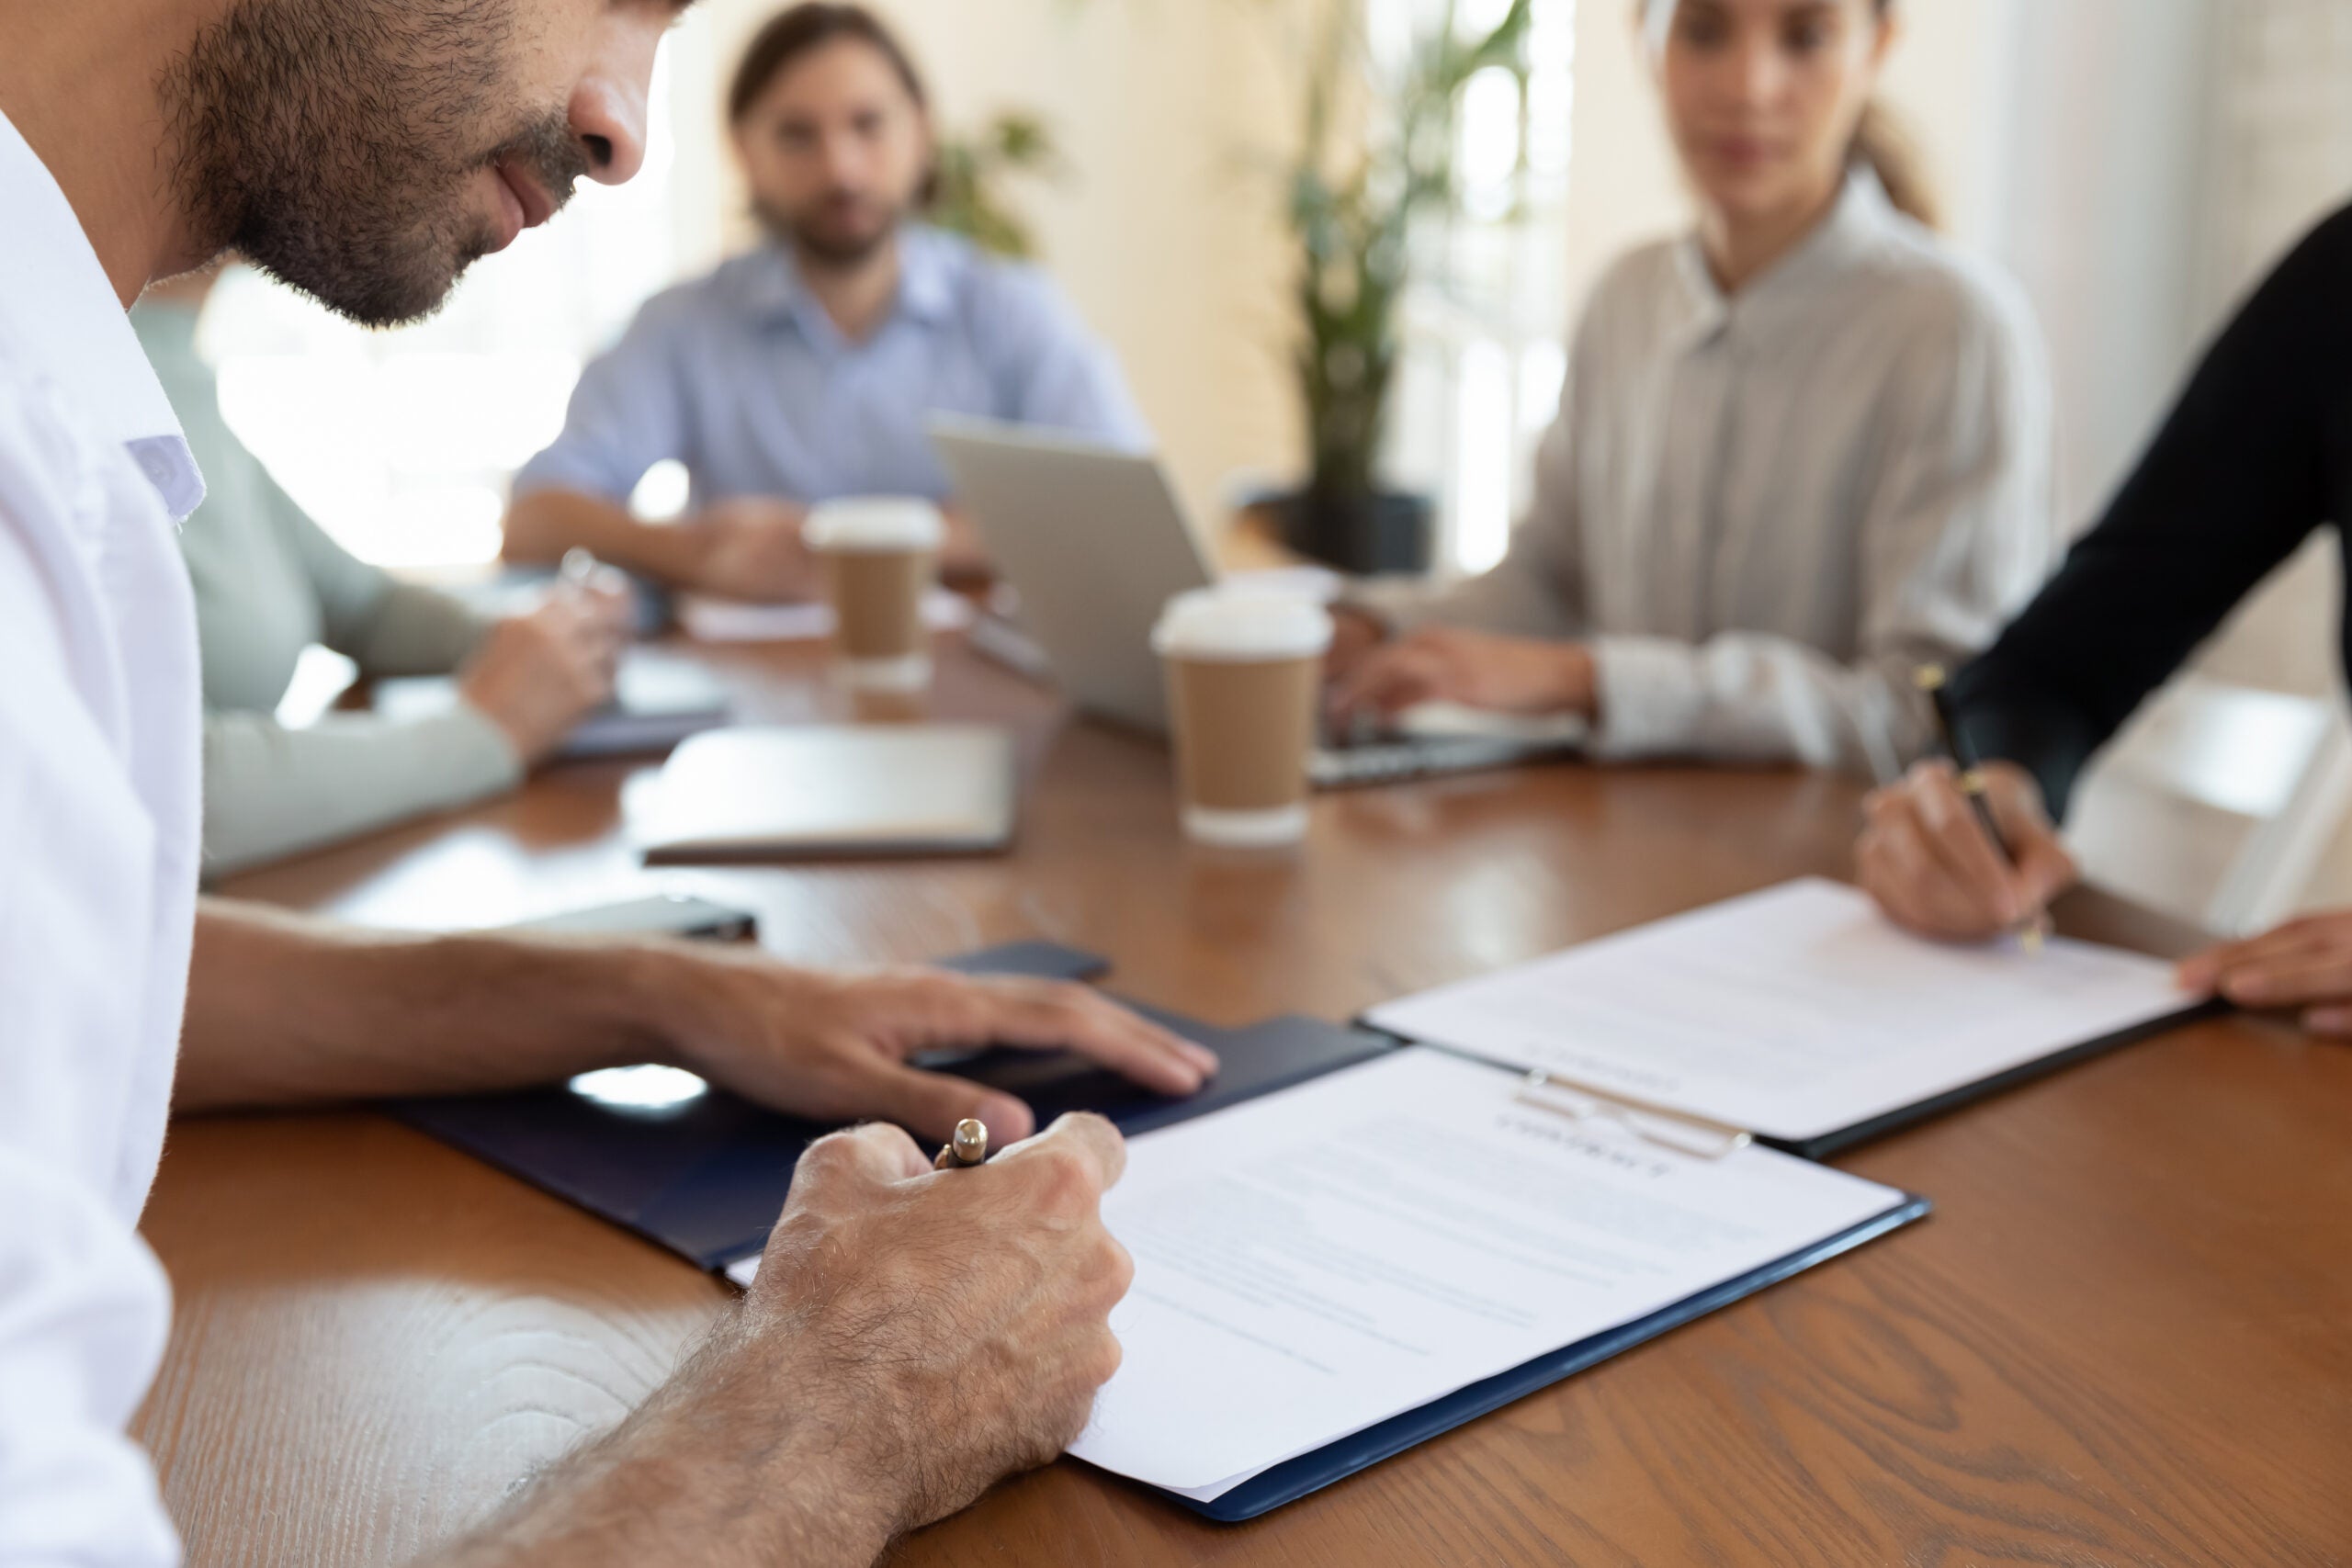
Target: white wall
1944,80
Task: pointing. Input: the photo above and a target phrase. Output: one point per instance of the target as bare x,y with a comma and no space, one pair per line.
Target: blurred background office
2136,162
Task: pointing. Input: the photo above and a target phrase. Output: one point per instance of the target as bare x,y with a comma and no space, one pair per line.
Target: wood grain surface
2125,1336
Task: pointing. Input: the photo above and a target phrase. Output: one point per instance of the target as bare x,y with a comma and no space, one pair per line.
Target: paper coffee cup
1245,674
880,556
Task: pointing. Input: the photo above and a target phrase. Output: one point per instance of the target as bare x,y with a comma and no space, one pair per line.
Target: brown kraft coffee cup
880,556
1245,674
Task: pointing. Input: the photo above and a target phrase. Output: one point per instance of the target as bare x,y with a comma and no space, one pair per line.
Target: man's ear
927,187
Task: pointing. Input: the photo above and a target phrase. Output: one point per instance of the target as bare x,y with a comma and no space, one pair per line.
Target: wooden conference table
2124,1337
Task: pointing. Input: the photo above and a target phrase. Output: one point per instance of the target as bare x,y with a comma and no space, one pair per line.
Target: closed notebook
818,792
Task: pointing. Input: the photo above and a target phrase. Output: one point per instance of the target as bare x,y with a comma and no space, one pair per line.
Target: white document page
1317,1260
1793,1012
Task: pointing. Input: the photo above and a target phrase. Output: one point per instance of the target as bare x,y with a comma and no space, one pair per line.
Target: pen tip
971,1141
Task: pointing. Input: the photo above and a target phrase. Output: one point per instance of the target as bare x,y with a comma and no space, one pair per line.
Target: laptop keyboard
1389,762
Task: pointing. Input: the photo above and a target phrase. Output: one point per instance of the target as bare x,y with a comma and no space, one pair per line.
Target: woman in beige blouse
1800,452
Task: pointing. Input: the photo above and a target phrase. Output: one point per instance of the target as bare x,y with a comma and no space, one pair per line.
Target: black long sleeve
2256,455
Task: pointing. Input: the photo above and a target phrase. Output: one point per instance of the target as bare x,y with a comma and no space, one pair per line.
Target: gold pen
969,1147
1933,680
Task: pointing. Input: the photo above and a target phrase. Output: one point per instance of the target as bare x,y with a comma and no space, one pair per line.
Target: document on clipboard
1333,1272
1797,1014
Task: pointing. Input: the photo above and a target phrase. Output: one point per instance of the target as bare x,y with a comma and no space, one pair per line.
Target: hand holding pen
1962,850
537,675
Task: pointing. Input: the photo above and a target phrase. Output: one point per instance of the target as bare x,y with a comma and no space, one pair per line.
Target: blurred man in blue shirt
806,370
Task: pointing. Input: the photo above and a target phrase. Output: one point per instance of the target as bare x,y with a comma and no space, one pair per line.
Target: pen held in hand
967,1147
1933,680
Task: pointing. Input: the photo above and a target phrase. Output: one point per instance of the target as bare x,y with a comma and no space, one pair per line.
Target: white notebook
1797,1013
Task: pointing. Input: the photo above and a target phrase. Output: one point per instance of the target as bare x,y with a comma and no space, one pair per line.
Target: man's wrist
677,995
720,1426
675,553
727,1462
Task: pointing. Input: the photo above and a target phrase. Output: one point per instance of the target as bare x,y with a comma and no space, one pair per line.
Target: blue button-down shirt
743,378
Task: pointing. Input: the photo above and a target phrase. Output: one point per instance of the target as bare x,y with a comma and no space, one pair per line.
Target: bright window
402,443
1483,326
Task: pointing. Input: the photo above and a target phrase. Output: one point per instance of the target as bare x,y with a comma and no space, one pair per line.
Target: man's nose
608,105
845,161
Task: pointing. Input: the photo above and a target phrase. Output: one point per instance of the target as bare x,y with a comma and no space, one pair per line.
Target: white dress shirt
1764,510
99,721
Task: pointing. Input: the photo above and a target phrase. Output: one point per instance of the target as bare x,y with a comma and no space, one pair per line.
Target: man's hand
1925,858
833,1047
750,549
966,1312
1507,674
2304,967
912,1337
536,676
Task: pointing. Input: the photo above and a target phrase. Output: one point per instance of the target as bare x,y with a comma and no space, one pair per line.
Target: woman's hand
1356,635
2304,967
1928,863
536,676
1479,670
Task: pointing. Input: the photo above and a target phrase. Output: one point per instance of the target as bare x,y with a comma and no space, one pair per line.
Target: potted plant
968,189
1358,193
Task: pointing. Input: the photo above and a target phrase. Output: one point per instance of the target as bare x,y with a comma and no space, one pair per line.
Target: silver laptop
1094,542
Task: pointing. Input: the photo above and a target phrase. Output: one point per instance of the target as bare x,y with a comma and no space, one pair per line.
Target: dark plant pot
1384,532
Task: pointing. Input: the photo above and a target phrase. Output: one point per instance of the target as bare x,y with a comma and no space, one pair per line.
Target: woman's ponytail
1883,146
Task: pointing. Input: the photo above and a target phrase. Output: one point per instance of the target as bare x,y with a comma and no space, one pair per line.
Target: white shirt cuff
1651,697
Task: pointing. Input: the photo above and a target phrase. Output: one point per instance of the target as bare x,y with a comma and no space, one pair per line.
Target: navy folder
2024,1073
705,1179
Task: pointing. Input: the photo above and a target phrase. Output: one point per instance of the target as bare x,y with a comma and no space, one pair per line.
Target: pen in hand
966,1148
1933,681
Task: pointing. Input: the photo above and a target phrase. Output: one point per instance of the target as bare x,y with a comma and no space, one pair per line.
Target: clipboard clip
1673,1129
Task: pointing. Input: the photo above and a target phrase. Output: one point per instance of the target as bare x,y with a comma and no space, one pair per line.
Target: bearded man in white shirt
367,151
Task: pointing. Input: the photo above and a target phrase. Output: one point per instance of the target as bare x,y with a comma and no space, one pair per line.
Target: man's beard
333,142
822,247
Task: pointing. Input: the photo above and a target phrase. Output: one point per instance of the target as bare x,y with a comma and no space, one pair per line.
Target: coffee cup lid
875,522
1241,625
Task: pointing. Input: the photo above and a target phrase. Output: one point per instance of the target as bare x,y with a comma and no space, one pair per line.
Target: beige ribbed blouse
1763,512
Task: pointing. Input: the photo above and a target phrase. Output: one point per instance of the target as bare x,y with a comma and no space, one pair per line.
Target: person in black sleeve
2256,455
